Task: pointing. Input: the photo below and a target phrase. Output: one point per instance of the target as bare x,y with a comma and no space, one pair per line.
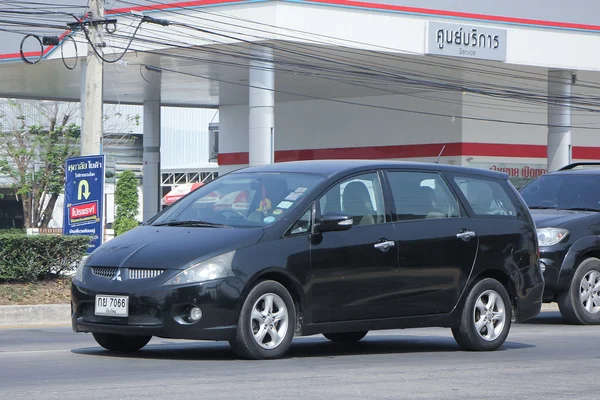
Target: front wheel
486,317
121,342
581,304
266,323
345,337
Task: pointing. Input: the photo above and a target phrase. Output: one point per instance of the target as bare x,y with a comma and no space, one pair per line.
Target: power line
445,86
368,74
486,67
427,113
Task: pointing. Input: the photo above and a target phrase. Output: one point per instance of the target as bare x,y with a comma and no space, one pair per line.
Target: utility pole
91,134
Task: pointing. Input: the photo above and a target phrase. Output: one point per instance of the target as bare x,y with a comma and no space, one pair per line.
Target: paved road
543,359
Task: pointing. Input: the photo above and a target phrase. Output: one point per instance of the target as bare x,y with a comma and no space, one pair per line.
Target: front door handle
465,235
385,246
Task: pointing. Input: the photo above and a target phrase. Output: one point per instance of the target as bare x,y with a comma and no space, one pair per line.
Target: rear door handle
466,235
385,246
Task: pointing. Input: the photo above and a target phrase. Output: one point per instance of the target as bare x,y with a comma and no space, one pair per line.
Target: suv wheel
345,337
266,323
581,304
486,317
121,342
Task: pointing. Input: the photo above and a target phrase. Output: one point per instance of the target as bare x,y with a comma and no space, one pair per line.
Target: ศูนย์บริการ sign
465,41
84,198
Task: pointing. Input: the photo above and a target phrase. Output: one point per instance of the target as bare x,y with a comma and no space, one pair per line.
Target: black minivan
338,248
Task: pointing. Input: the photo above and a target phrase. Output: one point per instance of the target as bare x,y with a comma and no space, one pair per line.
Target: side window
486,196
360,196
303,224
422,195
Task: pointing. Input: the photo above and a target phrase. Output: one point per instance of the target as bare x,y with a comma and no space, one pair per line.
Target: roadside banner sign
84,198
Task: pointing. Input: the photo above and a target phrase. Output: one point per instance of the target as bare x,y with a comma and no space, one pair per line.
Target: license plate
113,306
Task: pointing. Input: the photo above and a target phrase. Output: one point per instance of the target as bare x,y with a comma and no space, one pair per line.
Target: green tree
127,202
36,138
33,152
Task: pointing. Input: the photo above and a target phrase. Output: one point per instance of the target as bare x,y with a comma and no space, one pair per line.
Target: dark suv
337,248
566,207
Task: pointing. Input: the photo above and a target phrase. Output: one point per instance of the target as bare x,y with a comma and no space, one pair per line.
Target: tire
121,342
496,321
345,337
260,335
572,305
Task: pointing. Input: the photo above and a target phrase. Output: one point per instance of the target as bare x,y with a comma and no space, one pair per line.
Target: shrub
32,258
123,225
13,231
127,202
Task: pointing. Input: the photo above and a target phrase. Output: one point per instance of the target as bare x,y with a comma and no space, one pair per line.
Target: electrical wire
486,66
462,88
22,53
378,75
348,102
62,54
100,56
344,50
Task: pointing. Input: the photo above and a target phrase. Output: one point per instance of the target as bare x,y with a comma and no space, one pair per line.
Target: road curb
42,314
549,307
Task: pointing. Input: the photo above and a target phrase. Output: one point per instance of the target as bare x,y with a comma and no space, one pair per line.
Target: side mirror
335,221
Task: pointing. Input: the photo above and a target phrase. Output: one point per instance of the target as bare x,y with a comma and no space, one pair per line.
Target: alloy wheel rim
589,289
269,321
489,315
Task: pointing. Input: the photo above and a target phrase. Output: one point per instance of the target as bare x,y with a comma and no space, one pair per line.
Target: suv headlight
214,268
551,236
79,271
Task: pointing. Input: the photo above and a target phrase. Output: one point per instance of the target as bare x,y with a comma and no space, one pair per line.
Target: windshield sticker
301,190
268,220
277,212
285,204
293,196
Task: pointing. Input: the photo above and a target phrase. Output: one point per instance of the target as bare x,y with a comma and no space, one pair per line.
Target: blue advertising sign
84,198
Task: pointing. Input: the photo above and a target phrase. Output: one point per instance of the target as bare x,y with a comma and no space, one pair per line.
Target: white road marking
2,353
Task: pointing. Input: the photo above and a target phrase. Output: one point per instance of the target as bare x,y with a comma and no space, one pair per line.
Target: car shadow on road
307,347
547,318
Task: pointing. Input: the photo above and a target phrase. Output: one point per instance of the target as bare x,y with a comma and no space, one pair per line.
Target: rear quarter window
487,196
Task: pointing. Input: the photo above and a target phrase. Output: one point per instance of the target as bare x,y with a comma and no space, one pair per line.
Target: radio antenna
437,161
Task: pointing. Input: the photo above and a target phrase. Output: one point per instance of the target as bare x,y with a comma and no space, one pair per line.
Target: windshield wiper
193,223
541,208
581,209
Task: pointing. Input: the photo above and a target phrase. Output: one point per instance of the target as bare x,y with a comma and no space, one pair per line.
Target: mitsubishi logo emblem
117,276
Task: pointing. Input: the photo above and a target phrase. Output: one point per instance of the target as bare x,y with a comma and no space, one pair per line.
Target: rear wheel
345,337
121,342
486,317
581,304
266,323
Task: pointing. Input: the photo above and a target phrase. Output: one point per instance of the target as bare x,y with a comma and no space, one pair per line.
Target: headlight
551,236
79,271
214,268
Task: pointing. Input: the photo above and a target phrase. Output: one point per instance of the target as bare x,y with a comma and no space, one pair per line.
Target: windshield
240,200
563,191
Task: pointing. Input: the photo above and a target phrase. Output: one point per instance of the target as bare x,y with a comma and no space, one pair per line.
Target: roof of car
332,167
582,171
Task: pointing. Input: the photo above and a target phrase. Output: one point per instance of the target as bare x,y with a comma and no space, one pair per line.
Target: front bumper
553,259
158,310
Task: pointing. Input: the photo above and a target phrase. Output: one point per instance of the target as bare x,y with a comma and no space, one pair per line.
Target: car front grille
134,273
144,273
104,272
